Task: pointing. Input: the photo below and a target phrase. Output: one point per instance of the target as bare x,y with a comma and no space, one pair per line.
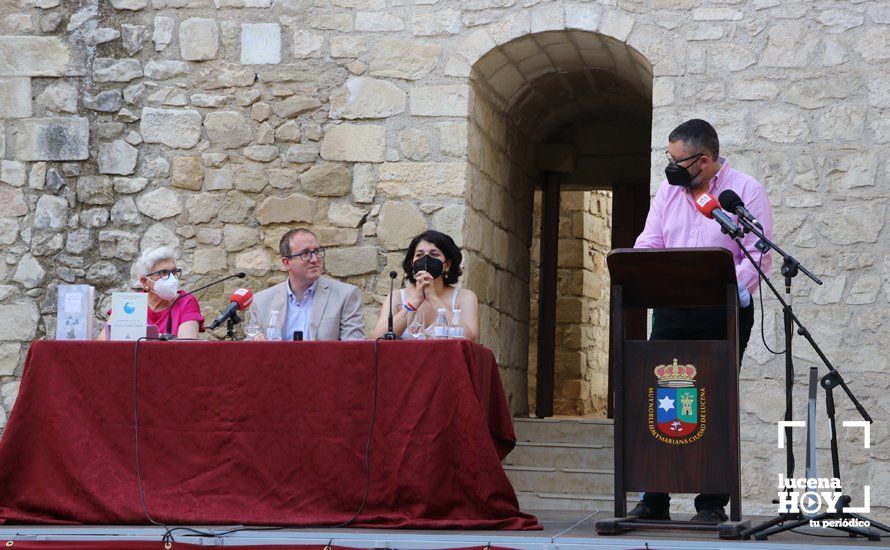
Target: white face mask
166,289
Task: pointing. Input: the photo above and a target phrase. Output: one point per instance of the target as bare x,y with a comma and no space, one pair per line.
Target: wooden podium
675,401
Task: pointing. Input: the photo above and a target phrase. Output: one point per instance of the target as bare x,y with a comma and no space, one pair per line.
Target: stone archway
570,102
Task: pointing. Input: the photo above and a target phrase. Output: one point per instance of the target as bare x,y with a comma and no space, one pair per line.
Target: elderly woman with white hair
170,309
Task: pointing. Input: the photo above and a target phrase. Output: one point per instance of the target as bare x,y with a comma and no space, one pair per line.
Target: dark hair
444,243
699,135
284,243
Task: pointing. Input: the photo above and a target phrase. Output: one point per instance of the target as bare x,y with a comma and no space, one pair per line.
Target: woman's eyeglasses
165,273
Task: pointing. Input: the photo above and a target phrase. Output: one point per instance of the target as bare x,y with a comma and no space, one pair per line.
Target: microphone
709,206
732,202
239,301
168,335
390,335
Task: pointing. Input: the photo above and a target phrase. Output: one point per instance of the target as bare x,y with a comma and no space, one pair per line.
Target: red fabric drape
261,434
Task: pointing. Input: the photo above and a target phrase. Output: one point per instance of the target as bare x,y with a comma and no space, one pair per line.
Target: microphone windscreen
730,200
240,274
393,274
706,204
243,297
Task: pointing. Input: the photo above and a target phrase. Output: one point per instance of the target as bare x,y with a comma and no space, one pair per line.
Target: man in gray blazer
318,307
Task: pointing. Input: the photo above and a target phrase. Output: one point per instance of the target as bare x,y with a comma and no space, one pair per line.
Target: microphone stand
167,335
390,334
775,525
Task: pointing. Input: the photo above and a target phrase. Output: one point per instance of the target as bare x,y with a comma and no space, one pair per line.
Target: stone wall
582,311
213,125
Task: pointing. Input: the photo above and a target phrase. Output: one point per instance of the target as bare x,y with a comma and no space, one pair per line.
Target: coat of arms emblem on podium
677,409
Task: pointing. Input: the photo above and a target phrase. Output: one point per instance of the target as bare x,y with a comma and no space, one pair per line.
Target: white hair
149,258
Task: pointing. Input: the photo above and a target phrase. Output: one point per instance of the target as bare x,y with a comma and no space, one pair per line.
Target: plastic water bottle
439,330
273,334
455,329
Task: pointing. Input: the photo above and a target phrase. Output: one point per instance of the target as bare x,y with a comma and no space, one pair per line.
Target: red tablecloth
260,433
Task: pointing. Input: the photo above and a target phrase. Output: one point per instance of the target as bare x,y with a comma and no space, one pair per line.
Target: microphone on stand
732,202
168,335
709,206
390,335
239,301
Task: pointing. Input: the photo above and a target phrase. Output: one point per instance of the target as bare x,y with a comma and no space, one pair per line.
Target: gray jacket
336,310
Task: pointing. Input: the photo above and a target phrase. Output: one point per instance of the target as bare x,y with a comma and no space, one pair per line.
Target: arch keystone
476,45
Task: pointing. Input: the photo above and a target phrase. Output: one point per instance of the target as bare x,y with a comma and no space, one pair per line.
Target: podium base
725,530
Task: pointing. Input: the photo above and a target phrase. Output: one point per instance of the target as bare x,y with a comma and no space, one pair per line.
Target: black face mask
433,266
679,176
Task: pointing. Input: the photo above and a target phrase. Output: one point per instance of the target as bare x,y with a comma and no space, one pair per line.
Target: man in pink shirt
694,168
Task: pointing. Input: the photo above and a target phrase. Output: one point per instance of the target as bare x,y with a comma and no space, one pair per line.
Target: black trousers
697,324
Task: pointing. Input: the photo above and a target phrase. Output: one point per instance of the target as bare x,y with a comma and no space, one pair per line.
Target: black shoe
710,515
644,511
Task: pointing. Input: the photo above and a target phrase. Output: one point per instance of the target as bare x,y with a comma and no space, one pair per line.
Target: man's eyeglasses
165,273
306,255
677,162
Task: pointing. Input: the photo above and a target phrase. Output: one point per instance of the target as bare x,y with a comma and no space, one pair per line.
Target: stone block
354,143
133,37
131,5
422,180
121,245
124,212
302,154
256,262
414,144
35,56
165,69
295,106
346,215
447,100
405,59
188,173
293,208
13,173
129,185
239,237
9,231
251,178
398,223
365,97
117,157
306,44
19,321
105,102
260,43
209,260
51,213
198,39
225,75
55,139
364,184
29,273
59,97
177,128
9,359
95,190
436,23
351,261
366,21
453,138
228,129
261,153
15,97
202,207
107,69
327,180
219,179
451,220
348,46
335,236
159,204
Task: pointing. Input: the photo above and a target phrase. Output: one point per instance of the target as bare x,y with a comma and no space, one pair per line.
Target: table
260,433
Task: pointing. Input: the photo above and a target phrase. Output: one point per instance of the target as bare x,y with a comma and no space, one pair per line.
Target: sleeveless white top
404,296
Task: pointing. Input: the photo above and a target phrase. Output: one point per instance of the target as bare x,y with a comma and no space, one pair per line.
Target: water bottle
273,334
439,330
455,329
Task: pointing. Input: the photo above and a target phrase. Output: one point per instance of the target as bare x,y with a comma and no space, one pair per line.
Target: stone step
560,455
569,481
563,430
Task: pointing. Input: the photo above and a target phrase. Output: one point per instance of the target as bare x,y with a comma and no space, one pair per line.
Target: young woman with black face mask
432,270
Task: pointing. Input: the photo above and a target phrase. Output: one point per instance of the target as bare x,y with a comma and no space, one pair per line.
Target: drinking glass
251,325
416,328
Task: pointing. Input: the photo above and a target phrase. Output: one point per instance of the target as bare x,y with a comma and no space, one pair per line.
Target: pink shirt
185,309
675,222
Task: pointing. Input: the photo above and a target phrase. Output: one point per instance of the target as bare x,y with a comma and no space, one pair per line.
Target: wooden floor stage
562,530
